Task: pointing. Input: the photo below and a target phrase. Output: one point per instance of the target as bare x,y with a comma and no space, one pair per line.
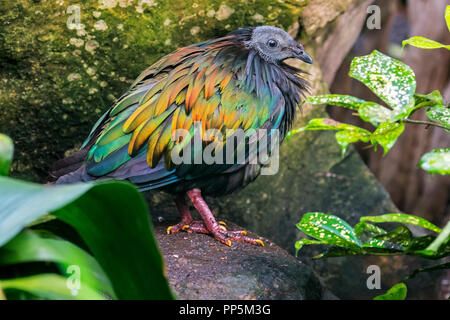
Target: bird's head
275,45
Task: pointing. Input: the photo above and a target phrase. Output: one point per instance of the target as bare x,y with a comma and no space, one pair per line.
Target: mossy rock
58,73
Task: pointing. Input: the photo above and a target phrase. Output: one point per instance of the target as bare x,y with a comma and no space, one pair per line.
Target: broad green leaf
111,217
436,161
424,43
50,286
397,292
6,154
28,246
329,230
441,115
374,113
22,202
402,218
386,134
336,100
391,80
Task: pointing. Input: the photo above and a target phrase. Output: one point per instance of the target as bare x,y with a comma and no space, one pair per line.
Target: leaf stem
427,123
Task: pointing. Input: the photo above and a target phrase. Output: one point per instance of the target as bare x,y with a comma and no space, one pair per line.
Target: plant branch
426,123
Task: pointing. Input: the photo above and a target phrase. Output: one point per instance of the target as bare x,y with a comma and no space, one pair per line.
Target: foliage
366,238
6,154
113,248
397,292
395,84
425,43
436,161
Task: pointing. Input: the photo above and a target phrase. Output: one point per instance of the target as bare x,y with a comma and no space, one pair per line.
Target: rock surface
199,267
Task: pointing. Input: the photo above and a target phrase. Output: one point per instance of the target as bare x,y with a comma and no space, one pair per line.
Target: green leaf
50,286
300,243
377,246
397,292
6,154
333,252
436,161
346,133
424,43
329,230
402,218
111,217
336,100
433,98
364,229
374,113
28,246
391,80
400,235
386,134
440,114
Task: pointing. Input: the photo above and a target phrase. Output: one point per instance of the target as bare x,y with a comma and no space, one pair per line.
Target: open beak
300,53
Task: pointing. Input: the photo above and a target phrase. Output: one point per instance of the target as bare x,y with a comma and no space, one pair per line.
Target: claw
259,242
222,223
168,229
222,227
186,226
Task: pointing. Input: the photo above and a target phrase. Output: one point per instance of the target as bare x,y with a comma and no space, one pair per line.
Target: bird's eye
272,43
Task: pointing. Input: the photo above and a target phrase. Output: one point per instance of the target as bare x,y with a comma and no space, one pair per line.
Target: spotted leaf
329,229
391,80
374,113
386,134
402,218
436,161
440,114
337,100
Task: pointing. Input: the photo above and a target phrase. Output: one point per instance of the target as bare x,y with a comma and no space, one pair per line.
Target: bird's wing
198,83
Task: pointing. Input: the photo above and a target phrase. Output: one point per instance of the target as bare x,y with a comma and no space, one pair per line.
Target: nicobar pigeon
239,81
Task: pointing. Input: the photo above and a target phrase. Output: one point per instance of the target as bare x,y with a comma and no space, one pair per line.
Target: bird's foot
219,232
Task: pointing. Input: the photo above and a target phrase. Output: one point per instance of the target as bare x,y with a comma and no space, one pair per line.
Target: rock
199,267
62,65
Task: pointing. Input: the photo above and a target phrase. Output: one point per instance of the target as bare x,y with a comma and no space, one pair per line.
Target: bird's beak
299,53
305,58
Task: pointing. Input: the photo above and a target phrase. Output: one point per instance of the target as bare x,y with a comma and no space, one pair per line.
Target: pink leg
185,214
211,225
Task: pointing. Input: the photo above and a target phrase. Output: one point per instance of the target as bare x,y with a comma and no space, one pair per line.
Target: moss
55,82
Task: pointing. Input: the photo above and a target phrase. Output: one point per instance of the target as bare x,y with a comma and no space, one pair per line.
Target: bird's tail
67,165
